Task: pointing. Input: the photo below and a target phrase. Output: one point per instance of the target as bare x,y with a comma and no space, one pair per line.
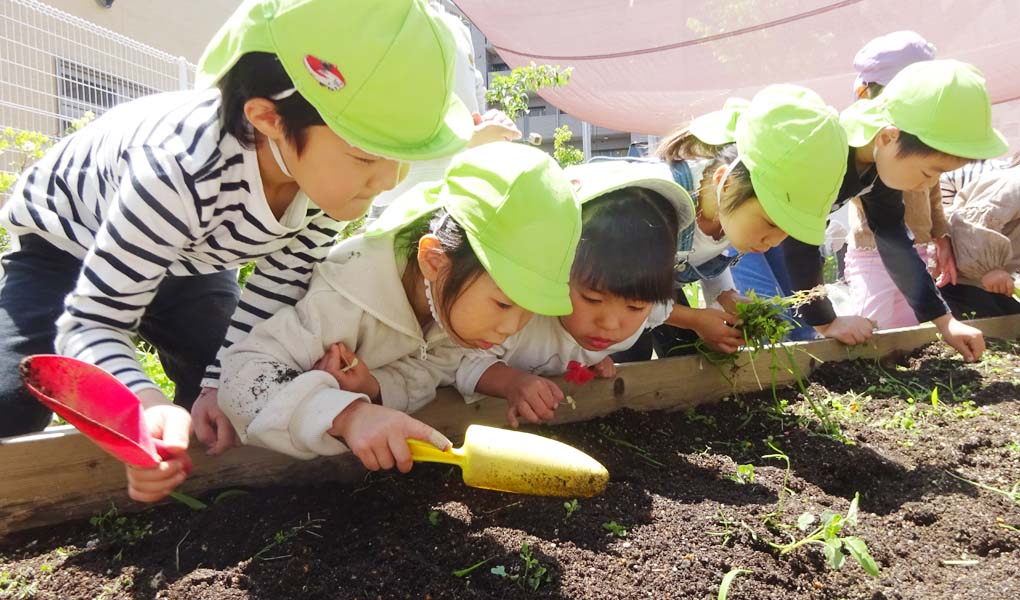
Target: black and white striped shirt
951,182
153,187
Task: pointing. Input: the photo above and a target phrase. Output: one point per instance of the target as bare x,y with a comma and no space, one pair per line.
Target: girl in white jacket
452,266
621,284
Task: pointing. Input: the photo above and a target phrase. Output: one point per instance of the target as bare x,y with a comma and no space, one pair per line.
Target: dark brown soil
689,518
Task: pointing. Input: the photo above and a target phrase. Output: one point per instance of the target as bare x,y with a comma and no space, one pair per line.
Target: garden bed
682,509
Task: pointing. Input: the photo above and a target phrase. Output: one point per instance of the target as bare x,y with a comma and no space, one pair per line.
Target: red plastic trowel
97,404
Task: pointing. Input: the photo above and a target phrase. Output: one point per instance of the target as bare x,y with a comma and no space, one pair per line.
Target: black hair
628,245
684,145
464,264
911,145
261,75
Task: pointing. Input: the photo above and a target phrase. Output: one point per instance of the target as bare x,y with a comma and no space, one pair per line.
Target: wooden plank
59,475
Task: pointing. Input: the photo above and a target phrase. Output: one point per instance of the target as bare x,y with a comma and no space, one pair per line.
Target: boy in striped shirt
134,225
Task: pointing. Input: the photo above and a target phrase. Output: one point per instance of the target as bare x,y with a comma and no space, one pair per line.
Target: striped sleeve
149,221
279,280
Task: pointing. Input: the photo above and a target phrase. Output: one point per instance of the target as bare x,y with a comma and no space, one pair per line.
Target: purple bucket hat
883,57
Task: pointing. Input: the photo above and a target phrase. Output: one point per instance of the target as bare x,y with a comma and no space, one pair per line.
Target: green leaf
935,396
727,581
851,513
228,494
859,550
500,570
189,501
804,521
834,553
466,571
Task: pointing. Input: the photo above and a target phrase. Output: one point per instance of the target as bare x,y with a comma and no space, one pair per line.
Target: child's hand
212,427
967,340
377,435
849,330
352,374
716,328
532,397
998,281
172,425
605,368
945,262
493,126
729,299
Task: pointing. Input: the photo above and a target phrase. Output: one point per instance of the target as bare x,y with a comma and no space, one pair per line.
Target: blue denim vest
685,272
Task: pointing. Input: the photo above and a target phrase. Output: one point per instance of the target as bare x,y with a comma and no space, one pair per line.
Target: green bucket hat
943,102
519,213
597,179
795,150
380,74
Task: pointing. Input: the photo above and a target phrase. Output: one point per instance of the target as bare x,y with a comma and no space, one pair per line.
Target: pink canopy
649,65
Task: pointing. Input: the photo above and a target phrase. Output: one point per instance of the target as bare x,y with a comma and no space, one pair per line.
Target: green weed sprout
828,535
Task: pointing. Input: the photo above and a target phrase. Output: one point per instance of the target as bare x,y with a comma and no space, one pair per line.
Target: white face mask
275,150
432,305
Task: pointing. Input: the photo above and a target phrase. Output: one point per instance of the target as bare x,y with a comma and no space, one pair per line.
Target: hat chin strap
275,150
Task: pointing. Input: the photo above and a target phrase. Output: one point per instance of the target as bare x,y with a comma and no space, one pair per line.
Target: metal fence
55,67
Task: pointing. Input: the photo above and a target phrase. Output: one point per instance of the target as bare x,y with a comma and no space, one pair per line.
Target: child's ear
261,113
717,176
888,135
432,260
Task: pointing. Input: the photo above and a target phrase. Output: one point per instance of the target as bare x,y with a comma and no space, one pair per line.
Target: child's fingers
555,391
511,417
225,436
525,412
383,456
204,426
401,453
367,458
420,431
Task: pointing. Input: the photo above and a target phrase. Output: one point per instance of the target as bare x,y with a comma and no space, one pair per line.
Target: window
81,89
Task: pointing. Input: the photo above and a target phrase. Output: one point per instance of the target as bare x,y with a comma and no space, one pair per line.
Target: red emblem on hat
325,73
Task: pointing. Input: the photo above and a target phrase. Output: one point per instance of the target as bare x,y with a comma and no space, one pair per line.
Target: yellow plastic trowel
518,462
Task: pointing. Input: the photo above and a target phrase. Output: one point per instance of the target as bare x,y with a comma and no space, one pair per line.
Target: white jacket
355,296
544,347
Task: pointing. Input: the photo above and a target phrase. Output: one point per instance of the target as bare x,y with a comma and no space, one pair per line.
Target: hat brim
407,208
674,193
451,137
801,226
862,121
527,289
522,285
991,147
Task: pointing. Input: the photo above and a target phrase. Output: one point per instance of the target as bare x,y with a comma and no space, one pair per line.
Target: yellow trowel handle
426,452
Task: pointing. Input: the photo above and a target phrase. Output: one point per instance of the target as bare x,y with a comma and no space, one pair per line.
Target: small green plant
609,435
118,529
17,587
511,91
468,570
828,534
308,525
1012,494
614,528
563,151
1013,446
153,368
534,574
570,508
727,582
433,518
776,515
744,474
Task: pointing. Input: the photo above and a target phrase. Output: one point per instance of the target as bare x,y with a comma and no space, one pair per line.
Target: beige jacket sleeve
985,225
410,383
268,390
939,223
